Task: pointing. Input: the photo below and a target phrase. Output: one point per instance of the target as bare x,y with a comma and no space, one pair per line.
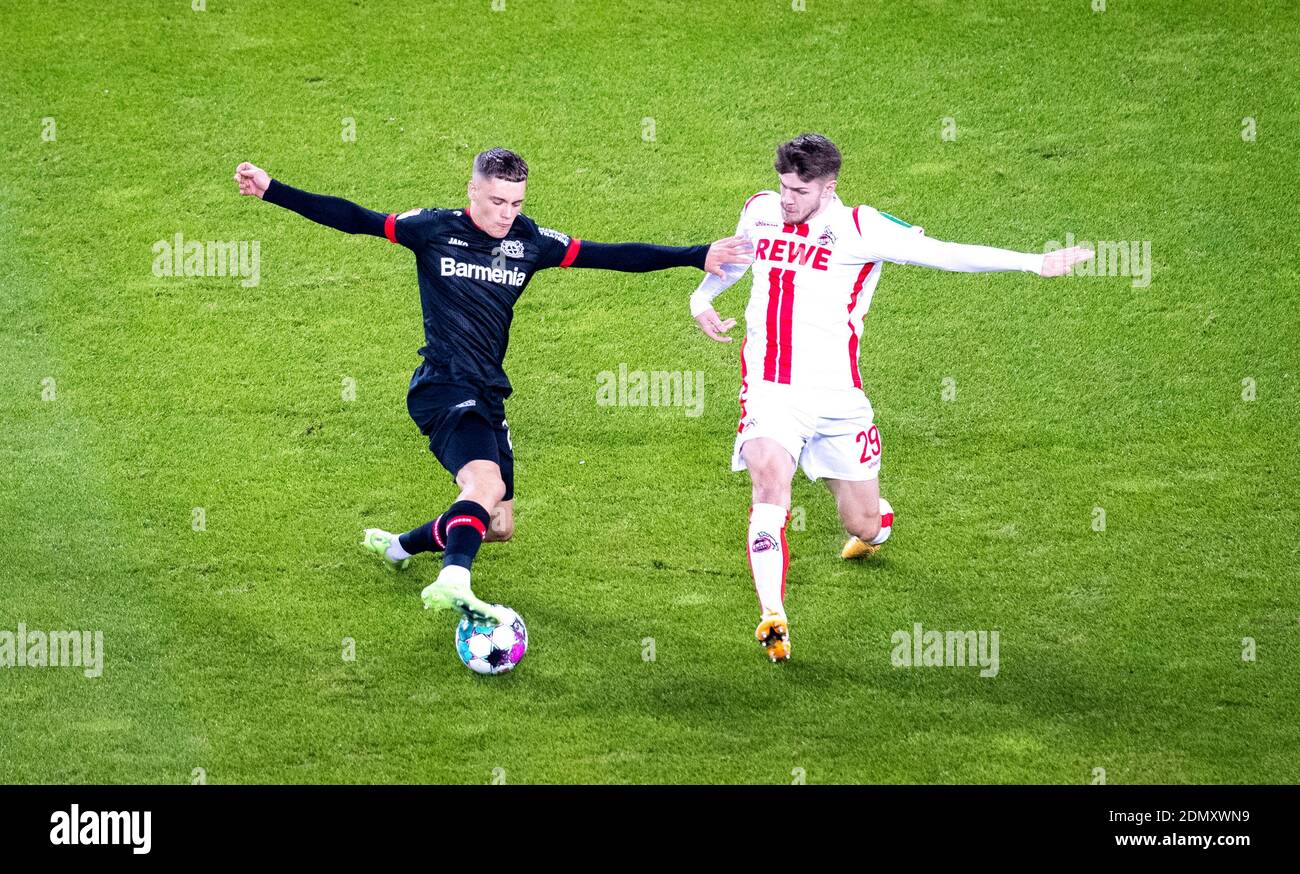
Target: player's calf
865,527
771,468
481,488
868,533
466,527
502,527
769,555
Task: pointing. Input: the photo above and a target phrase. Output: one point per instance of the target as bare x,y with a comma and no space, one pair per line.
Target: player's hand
252,180
732,250
1058,263
713,326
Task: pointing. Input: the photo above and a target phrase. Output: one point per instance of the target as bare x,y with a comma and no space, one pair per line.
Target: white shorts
829,434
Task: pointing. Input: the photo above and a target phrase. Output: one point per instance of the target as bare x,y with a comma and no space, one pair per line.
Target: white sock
395,551
454,573
768,555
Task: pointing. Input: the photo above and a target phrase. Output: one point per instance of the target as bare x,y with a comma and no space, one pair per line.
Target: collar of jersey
485,233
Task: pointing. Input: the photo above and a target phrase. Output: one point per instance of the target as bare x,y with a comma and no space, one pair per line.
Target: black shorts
463,424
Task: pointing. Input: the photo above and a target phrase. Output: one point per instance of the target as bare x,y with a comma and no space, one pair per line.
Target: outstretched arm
965,258
887,240
335,212
637,257
644,257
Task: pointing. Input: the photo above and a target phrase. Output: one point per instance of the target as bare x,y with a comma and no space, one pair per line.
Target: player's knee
864,526
493,490
772,486
772,493
481,482
770,475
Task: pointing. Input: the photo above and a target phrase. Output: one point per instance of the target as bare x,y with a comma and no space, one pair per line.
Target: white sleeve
886,240
712,286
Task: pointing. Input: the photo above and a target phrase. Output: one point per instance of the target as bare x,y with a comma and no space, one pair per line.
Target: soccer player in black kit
473,264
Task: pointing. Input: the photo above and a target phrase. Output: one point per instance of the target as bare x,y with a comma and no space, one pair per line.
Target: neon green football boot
451,590
377,540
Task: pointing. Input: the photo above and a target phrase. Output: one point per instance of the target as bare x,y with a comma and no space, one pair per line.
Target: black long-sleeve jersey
470,280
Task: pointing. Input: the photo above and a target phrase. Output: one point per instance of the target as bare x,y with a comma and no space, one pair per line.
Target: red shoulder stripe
752,199
572,252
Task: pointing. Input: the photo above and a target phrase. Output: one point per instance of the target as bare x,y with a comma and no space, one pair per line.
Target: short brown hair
812,156
501,163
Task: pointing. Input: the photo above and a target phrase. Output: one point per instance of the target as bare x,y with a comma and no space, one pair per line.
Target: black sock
466,526
429,537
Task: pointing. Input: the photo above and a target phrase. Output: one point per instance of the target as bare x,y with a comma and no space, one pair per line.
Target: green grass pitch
128,400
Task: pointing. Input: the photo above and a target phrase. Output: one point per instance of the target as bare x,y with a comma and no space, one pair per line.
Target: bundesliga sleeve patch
409,213
554,235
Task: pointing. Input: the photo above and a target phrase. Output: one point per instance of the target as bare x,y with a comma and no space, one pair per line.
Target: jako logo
75,826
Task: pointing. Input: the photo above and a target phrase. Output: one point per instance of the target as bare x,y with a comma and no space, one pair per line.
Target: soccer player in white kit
816,265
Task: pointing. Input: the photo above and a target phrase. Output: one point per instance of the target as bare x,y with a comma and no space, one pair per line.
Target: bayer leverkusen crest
512,249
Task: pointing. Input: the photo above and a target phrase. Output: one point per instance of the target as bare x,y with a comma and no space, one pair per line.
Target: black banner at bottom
639,823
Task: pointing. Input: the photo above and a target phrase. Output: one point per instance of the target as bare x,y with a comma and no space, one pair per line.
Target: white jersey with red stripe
813,284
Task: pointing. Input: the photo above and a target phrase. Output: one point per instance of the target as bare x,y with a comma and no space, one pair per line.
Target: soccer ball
492,649
886,523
